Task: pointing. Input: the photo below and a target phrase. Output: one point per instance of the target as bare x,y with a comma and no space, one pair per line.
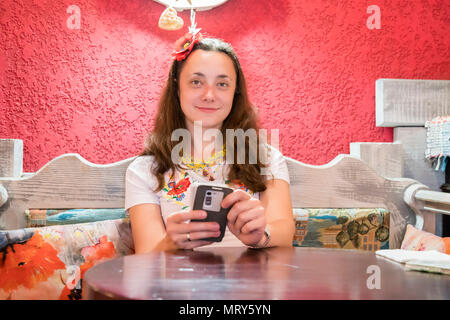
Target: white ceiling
198,5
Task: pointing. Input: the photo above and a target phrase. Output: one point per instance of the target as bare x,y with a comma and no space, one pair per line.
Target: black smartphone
208,197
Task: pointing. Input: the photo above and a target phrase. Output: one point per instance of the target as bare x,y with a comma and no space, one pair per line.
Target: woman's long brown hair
170,117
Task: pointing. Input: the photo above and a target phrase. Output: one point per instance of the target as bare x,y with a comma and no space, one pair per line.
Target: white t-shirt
176,196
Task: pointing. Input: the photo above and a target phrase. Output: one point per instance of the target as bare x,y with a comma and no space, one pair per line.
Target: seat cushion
347,228
50,262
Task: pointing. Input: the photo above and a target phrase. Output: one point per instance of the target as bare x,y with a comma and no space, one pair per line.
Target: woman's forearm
166,244
281,233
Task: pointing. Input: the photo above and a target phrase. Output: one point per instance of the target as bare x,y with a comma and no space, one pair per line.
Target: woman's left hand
246,219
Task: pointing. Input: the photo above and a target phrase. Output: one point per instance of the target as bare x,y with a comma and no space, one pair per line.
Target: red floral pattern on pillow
50,262
26,264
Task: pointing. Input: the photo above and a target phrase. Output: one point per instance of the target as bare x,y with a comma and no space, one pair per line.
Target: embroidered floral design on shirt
206,168
216,158
237,184
177,190
240,185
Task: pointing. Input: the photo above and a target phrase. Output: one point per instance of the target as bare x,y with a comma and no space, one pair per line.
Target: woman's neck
202,149
205,142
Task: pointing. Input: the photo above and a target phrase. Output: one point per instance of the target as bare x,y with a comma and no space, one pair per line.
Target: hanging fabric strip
444,164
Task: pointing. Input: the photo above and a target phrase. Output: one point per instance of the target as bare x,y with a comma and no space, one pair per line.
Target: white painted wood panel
403,102
67,182
11,157
416,166
385,158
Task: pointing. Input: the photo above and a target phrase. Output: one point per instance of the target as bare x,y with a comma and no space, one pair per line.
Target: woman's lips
208,110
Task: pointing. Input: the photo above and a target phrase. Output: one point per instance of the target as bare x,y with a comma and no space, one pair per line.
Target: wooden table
269,274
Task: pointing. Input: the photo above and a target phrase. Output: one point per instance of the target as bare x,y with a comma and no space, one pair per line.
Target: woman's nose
209,94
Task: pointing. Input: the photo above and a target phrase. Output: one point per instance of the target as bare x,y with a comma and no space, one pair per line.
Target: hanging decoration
170,20
193,27
198,5
184,45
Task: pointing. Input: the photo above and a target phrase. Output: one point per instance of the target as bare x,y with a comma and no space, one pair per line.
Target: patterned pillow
50,217
419,240
347,228
50,262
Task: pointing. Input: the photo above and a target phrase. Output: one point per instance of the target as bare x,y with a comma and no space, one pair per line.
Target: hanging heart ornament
169,20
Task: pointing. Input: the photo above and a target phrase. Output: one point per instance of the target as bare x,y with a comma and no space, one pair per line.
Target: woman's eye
223,84
195,82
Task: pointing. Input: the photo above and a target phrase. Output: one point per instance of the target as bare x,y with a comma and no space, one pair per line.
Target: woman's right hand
186,234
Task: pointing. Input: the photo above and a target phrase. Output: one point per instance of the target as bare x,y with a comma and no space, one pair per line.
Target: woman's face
206,88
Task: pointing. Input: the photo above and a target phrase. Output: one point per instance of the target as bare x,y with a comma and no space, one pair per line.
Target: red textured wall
311,68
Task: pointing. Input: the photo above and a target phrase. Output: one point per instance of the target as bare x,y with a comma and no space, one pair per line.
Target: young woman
206,86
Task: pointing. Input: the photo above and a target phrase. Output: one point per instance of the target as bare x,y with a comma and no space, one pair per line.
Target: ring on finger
188,236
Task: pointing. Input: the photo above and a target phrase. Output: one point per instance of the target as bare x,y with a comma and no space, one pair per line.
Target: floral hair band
184,45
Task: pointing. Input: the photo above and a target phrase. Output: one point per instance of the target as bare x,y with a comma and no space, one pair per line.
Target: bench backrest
70,181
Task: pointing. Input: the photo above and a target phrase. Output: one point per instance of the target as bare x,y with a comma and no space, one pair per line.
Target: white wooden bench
70,181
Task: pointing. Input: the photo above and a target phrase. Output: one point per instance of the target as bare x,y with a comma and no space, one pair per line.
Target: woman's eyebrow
219,76
223,76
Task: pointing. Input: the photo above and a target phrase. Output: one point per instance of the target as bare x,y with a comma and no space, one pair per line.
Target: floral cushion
362,229
50,262
419,240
